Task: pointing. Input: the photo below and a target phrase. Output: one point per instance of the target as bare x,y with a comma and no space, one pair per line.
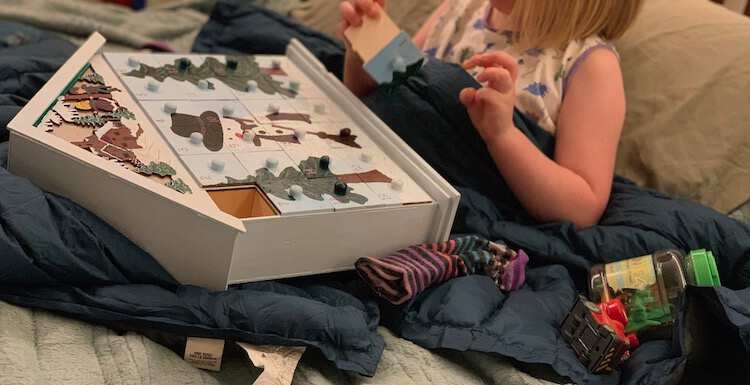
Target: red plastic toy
613,314
596,332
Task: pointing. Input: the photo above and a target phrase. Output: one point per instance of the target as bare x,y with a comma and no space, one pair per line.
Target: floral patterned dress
462,31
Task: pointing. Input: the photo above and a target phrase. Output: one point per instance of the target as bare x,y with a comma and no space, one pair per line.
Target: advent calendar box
228,169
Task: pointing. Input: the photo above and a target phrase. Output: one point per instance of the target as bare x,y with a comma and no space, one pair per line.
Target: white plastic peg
272,163
399,65
170,108
152,85
196,138
217,165
295,192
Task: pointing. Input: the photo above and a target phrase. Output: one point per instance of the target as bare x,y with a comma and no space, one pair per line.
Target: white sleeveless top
462,31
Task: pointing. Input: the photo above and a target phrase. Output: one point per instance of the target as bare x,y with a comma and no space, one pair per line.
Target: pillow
687,79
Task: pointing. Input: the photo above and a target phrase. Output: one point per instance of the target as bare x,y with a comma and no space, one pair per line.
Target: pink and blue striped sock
404,274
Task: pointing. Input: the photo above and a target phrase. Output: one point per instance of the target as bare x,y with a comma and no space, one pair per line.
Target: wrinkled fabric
524,325
469,313
56,255
66,260
238,27
29,58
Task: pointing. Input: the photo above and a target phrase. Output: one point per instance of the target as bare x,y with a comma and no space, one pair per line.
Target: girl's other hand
353,11
491,106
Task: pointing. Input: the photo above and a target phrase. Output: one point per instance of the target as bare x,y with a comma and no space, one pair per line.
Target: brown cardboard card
374,34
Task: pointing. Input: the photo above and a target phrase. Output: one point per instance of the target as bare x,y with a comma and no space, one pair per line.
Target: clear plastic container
650,286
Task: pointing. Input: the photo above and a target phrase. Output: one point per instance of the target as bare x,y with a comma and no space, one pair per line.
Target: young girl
552,60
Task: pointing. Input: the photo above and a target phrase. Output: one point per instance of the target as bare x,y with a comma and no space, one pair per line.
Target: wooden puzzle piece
264,81
305,88
384,48
267,111
276,66
142,88
214,169
171,81
322,181
338,161
282,135
273,161
276,174
320,110
370,37
201,77
342,164
292,193
123,62
206,126
401,189
340,135
190,77
396,61
247,135
184,125
354,185
386,183
341,139
302,204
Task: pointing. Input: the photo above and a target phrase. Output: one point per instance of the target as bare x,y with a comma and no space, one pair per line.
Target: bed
38,348
666,128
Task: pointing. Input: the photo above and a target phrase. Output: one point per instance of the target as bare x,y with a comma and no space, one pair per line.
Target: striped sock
404,274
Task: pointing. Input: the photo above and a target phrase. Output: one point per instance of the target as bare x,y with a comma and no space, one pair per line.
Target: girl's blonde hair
555,23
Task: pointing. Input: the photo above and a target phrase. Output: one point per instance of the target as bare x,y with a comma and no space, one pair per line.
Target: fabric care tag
278,362
204,353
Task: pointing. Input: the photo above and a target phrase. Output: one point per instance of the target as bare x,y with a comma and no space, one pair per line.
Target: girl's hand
491,107
353,11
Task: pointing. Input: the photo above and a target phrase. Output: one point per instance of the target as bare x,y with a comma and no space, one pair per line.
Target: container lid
702,268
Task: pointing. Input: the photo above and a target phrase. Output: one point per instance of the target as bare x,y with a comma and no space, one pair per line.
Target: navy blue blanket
468,313
57,256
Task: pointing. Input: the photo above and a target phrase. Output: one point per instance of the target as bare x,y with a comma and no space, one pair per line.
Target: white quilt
39,348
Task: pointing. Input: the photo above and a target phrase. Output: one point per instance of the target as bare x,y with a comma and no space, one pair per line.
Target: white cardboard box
202,245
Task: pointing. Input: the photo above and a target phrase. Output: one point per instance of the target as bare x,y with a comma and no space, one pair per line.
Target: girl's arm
589,126
576,185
